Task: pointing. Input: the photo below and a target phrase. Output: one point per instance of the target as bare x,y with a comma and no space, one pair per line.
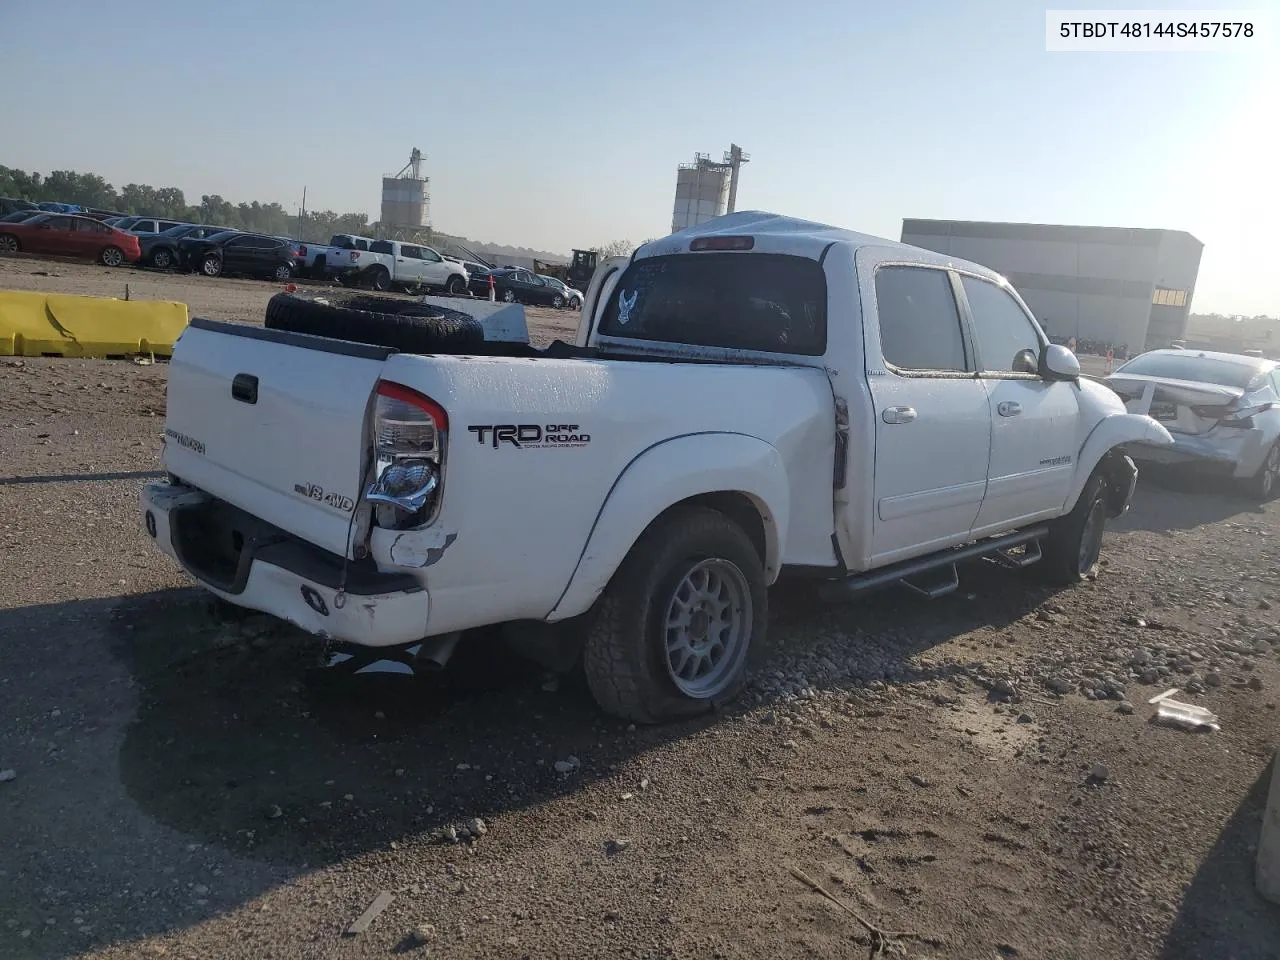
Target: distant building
1104,284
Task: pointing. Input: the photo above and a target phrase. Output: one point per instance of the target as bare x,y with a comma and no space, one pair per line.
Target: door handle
898,414
1008,408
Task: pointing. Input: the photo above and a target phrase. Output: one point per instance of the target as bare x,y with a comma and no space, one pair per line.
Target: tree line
91,190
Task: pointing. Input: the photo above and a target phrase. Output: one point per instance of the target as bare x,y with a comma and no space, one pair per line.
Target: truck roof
798,237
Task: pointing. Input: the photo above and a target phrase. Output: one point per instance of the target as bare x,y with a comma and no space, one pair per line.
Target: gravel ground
973,777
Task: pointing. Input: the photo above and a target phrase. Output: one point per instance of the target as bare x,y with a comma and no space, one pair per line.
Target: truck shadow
1222,914
242,742
242,739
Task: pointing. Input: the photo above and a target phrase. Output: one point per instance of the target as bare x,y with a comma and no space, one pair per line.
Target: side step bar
902,573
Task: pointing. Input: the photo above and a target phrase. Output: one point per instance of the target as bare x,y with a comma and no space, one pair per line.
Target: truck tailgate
273,423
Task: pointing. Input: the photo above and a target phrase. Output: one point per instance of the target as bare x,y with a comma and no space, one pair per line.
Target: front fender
665,474
1110,432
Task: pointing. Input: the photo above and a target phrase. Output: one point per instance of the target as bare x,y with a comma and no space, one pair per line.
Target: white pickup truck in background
754,396
392,263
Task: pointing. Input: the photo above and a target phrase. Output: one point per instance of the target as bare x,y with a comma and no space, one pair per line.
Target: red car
70,236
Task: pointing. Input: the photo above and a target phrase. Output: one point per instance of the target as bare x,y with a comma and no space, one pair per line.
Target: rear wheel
1074,543
9,243
283,272
671,633
161,259
456,286
111,256
1263,485
509,295
379,279
557,301
211,266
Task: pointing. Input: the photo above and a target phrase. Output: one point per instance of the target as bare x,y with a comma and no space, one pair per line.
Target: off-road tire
379,321
624,654
1064,562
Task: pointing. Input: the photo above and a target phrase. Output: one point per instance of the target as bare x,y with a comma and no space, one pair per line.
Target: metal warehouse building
1106,284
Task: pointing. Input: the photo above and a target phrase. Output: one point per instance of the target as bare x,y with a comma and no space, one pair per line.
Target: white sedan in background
1222,410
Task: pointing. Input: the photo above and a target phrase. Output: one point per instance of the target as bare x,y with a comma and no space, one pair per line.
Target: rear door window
380,246
740,301
919,322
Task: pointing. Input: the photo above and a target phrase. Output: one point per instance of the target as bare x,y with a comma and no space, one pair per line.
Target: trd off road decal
313,492
531,435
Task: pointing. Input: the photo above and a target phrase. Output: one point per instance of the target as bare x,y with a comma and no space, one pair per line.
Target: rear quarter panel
520,514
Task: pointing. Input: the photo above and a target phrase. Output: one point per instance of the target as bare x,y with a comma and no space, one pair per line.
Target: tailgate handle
245,388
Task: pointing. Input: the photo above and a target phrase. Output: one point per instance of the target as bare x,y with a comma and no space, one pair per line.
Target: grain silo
406,199
706,189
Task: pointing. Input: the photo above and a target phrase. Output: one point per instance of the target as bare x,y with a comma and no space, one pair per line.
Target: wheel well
738,508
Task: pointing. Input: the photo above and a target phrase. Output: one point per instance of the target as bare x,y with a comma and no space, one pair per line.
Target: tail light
1240,418
355,255
302,250
410,431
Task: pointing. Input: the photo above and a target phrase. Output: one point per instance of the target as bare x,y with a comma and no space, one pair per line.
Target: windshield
1192,367
754,301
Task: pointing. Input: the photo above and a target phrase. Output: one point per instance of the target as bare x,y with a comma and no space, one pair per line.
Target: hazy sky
560,124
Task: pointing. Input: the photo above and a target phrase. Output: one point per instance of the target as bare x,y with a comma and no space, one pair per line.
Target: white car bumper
290,579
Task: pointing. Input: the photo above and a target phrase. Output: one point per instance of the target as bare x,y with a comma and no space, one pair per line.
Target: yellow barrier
36,324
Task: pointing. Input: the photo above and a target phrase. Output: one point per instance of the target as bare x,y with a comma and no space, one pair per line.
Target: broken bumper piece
252,564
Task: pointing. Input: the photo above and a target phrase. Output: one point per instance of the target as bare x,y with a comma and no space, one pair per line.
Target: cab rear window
740,301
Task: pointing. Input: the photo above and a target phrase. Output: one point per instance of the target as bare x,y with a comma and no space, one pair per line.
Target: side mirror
1059,363
1026,362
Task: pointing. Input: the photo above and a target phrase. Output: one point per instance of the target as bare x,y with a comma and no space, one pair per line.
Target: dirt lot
976,777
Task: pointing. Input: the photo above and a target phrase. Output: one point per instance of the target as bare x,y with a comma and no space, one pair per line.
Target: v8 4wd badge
315,492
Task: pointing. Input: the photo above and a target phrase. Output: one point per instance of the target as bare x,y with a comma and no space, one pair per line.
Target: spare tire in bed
411,328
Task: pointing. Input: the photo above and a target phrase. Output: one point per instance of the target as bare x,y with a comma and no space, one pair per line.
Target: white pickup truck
392,263
754,396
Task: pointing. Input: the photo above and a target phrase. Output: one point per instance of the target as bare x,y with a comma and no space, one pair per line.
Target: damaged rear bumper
255,565
1238,455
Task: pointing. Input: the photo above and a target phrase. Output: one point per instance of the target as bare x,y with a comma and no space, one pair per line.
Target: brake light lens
410,430
302,249
722,243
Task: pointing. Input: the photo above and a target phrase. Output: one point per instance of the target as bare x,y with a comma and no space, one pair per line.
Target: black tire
211,266
1264,484
379,278
625,658
557,301
414,328
1068,559
508,296
283,273
162,258
9,243
456,286
111,257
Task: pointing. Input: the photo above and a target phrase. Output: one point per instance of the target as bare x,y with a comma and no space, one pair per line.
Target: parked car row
212,250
